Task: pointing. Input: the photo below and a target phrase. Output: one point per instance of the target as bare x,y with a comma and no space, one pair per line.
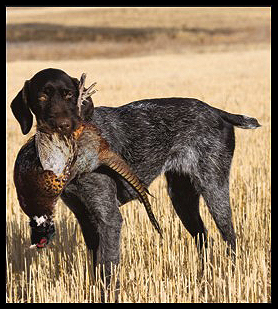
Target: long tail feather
118,165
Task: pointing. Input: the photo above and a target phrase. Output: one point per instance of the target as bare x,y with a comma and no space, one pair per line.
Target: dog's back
154,134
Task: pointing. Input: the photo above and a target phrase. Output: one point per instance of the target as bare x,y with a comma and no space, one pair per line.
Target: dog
187,140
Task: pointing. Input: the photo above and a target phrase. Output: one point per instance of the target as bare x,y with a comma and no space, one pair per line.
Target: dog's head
51,95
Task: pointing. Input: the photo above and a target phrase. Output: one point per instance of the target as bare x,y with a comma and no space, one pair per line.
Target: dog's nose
64,125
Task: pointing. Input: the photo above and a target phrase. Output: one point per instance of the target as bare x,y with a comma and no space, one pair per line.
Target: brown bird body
47,162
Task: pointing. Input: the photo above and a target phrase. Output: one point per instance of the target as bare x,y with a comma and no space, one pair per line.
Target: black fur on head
51,95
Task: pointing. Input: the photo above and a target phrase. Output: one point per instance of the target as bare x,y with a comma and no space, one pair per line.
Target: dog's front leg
108,254
93,199
102,239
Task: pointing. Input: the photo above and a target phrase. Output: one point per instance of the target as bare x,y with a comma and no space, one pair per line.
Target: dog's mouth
62,126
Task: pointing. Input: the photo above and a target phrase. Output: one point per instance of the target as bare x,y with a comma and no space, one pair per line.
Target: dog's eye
68,95
42,97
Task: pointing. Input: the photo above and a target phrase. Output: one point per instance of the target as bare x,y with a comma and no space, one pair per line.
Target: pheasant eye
32,223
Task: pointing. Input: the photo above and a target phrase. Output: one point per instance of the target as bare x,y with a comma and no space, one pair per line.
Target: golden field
235,79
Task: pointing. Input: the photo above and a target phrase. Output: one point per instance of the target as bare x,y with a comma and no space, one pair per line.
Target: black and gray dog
189,141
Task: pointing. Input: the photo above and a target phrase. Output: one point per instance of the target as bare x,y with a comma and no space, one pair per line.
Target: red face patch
42,243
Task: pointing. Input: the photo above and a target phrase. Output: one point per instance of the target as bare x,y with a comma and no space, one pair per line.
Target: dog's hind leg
216,196
185,200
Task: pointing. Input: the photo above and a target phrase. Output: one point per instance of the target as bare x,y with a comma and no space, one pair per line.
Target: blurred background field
219,55
78,33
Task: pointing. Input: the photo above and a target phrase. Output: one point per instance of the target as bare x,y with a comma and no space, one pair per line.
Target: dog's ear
75,81
87,109
21,109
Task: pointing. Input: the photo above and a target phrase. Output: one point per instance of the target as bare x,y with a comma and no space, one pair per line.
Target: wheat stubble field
236,79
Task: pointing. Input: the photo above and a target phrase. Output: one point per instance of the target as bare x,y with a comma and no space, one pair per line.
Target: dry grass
151,270
154,271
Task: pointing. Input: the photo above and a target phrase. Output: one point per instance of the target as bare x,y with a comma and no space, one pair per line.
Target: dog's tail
241,121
